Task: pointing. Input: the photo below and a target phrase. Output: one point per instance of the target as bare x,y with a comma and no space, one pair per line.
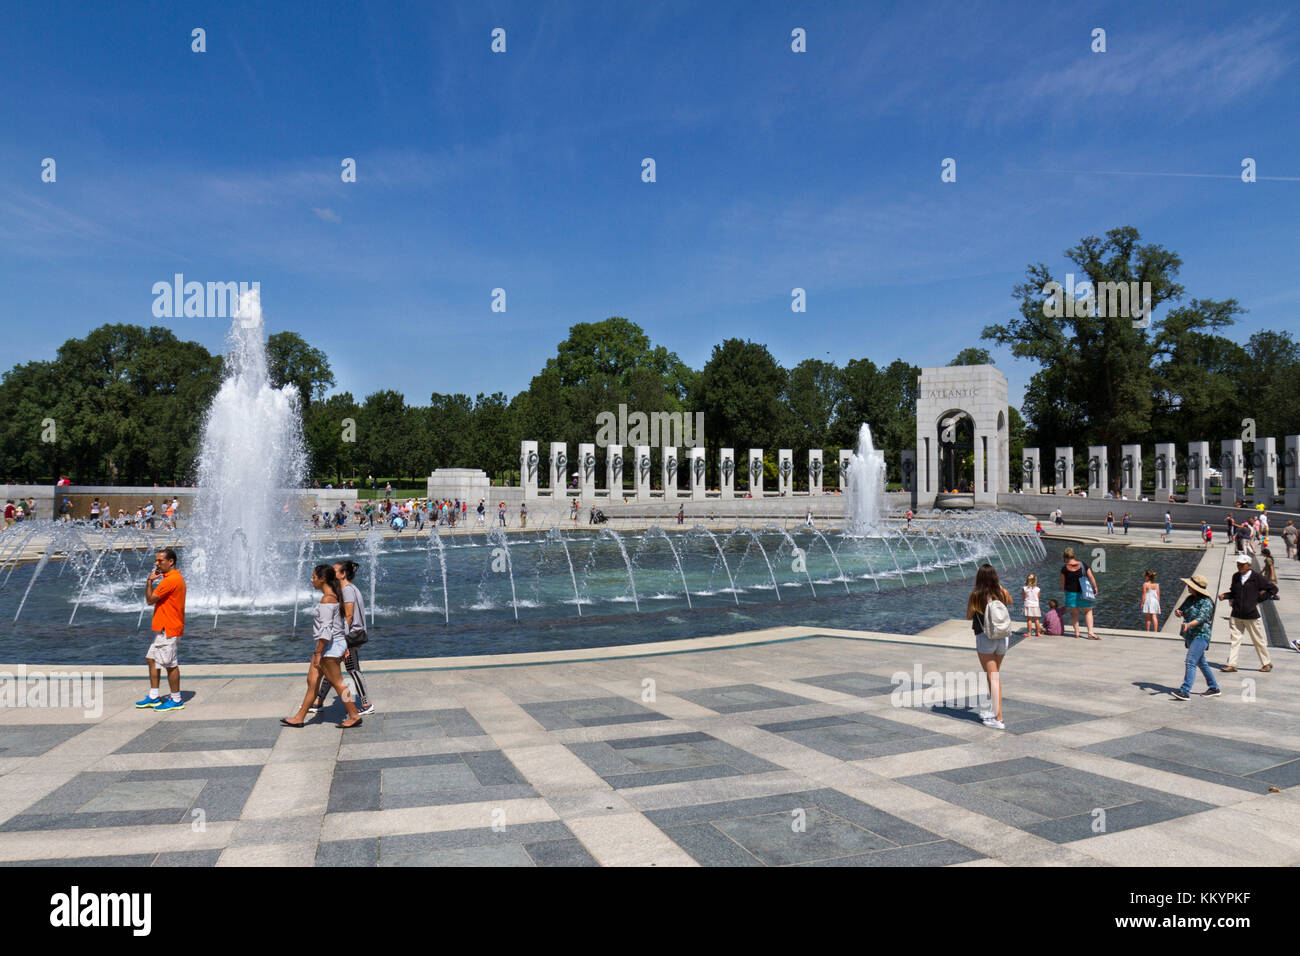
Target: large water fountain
248,551
866,485
250,452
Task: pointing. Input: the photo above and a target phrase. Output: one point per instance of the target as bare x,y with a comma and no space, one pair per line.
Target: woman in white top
1151,601
331,645
1033,617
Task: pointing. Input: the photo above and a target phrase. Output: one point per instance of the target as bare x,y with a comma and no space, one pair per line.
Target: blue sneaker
148,702
170,704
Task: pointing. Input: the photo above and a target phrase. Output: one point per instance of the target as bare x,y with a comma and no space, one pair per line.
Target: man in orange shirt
165,592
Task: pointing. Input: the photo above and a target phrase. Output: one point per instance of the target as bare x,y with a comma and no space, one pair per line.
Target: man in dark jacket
1248,588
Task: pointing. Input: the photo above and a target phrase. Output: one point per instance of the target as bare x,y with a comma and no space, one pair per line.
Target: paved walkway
788,746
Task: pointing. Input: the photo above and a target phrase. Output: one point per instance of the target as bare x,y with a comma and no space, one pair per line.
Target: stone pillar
1198,463
785,471
1166,466
1264,458
614,471
1098,471
1291,471
1130,471
559,467
668,465
1231,464
1063,469
846,456
756,472
641,473
1031,472
697,468
587,471
815,472
529,466
907,467
727,473
979,479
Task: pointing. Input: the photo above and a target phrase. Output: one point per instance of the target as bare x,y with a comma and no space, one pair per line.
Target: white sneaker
994,723
367,710
986,714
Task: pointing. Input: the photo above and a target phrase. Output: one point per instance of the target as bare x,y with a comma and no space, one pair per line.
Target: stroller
599,517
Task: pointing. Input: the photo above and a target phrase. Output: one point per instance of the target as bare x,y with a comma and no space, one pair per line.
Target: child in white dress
1151,601
1030,593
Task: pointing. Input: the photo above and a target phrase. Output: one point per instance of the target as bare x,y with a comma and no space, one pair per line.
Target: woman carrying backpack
1081,591
988,610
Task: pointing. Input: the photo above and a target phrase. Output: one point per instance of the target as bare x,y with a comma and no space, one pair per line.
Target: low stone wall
1149,514
131,497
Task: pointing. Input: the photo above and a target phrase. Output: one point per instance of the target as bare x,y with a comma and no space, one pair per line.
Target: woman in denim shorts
989,588
1072,574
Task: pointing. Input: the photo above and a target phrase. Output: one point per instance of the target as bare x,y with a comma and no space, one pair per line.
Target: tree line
125,404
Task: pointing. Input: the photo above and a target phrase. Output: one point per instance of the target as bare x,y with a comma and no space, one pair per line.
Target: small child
1151,601
1038,528
1030,593
1052,623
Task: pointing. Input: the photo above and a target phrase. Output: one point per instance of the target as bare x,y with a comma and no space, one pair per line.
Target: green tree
740,391
972,356
291,361
381,440
1099,363
330,433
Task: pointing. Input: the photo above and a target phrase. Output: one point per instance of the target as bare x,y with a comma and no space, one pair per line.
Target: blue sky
522,170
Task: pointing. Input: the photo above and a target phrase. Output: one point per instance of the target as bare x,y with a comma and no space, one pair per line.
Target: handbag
1087,590
357,638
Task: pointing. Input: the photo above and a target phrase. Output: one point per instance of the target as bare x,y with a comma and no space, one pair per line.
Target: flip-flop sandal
289,723
350,726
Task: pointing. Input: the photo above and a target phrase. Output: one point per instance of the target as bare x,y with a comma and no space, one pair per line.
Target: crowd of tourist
147,516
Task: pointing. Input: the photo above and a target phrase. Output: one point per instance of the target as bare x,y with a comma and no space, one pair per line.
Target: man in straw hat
1197,613
1248,588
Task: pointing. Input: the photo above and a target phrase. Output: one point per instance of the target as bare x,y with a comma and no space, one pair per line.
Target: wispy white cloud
1179,72
329,215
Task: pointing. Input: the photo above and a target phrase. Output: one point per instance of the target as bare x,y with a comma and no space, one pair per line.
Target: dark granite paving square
859,685
169,736
589,712
533,844
858,736
32,740
188,858
140,798
1055,802
671,758
818,827
1021,717
346,853
425,780
560,853
741,698
416,725
1230,763
942,853
134,859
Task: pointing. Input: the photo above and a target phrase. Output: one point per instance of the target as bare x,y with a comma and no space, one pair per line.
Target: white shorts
163,651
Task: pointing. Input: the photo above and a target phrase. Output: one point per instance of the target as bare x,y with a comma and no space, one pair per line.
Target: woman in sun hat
1197,613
